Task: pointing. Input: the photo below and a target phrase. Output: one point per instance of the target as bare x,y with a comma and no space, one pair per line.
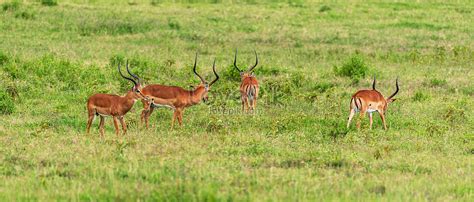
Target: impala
248,86
175,97
103,105
370,101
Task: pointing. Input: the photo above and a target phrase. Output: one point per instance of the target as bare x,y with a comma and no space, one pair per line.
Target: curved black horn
215,73
256,62
396,91
133,75
135,83
373,84
194,69
235,61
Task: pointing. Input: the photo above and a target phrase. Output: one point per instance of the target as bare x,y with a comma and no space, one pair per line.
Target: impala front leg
116,126
124,125
382,116
370,120
180,116
175,114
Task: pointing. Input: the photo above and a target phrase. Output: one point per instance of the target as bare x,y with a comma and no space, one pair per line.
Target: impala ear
241,73
391,100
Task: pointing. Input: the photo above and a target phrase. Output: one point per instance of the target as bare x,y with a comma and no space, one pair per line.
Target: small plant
438,82
49,2
11,6
355,68
420,96
324,8
7,105
3,58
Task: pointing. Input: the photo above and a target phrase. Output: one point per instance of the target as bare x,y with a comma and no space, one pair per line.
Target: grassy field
296,147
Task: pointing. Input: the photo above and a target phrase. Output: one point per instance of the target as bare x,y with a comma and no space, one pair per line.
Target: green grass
55,54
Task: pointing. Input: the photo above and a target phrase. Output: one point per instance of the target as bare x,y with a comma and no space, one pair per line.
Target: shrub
324,8
438,82
7,104
3,58
49,2
420,96
355,68
11,6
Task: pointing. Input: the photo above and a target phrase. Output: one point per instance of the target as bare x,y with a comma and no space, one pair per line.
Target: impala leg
143,115
124,125
370,120
362,114
147,116
175,114
351,115
116,126
383,120
243,103
180,116
89,122
101,125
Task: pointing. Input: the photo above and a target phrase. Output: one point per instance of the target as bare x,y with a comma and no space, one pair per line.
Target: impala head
249,72
204,86
136,88
390,99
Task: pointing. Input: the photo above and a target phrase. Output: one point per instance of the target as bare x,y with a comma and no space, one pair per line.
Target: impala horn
235,61
373,84
256,62
132,74
134,82
215,73
396,91
195,72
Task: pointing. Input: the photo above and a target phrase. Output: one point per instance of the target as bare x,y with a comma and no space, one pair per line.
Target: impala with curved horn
175,97
248,86
103,105
368,101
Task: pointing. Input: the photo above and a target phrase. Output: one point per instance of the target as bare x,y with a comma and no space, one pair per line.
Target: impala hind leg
351,115
89,122
101,126
362,115
124,125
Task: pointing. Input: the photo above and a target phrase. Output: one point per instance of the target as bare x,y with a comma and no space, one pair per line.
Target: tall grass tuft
354,68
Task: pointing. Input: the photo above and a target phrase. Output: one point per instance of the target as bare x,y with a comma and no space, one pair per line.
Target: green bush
438,82
7,104
11,6
420,96
324,8
49,2
354,68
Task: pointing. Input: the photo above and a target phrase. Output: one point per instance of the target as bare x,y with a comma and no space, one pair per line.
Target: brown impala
103,105
175,97
248,87
370,101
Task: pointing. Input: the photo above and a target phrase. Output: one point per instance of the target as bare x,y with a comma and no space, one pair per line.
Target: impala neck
129,99
196,95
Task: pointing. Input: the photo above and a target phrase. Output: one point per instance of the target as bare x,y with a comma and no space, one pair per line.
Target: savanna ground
313,57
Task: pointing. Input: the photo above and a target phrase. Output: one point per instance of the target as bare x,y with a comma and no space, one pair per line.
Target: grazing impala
175,97
370,101
248,86
103,105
